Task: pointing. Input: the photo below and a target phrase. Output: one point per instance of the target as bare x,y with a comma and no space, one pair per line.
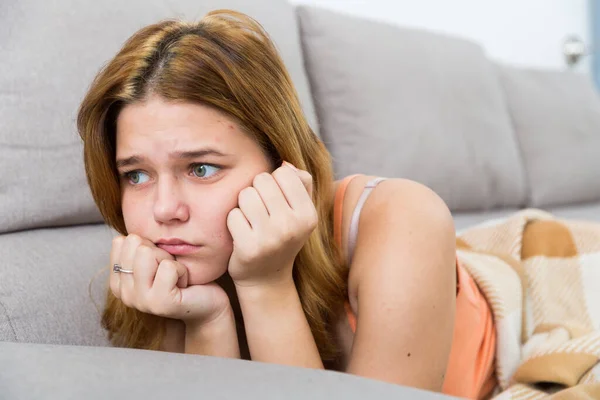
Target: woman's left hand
274,218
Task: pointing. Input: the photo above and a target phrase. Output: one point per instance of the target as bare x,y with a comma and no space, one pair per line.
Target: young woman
235,240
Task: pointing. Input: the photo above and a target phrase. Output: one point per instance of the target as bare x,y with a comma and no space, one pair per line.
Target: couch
489,138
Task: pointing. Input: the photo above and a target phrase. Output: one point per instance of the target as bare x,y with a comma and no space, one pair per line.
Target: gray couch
489,138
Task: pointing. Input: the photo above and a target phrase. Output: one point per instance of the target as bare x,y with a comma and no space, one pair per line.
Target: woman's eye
204,170
137,177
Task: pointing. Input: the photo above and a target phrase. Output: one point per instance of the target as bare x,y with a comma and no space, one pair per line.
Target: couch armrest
35,371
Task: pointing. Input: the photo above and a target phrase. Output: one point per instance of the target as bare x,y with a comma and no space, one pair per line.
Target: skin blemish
187,312
408,354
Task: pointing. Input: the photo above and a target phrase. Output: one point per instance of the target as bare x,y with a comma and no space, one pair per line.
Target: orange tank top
470,371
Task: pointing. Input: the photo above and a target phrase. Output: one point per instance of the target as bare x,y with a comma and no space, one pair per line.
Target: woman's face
182,166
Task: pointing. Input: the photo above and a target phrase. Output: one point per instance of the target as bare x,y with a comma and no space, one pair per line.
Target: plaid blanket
541,277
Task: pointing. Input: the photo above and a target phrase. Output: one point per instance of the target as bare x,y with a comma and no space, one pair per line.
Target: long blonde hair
228,62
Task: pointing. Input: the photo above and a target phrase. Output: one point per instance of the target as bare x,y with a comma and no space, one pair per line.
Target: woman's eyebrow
196,153
182,155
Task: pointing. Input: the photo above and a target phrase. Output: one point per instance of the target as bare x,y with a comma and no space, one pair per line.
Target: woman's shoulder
393,196
397,211
407,188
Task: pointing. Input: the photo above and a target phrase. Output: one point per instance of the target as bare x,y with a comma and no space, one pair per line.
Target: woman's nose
169,205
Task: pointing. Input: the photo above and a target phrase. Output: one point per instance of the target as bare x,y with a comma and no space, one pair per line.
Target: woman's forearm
276,327
215,338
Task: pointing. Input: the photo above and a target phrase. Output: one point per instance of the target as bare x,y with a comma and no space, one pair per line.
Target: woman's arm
402,284
217,337
174,340
276,327
274,219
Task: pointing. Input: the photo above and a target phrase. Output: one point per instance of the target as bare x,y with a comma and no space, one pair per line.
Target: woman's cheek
135,219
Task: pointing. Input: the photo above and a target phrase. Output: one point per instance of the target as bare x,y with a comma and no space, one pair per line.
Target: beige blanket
541,277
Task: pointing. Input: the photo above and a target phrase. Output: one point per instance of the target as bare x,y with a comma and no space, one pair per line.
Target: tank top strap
354,221
353,231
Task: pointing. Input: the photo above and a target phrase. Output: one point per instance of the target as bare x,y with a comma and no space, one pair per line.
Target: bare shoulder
396,205
405,215
402,281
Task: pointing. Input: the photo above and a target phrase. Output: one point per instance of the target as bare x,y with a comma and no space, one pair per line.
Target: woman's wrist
215,337
276,327
267,294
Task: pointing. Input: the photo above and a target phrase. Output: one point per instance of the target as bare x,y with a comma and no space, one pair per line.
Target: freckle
408,354
187,312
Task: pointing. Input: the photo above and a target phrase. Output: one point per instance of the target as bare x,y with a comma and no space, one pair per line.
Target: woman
236,242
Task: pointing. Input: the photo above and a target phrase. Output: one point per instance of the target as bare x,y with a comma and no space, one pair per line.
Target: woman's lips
178,249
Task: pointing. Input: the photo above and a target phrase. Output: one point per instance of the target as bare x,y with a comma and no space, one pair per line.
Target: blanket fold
541,277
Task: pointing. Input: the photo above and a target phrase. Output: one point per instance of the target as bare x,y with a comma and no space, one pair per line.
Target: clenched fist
159,284
274,218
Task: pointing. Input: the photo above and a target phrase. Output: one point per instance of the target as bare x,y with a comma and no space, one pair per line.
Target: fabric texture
45,276
51,51
470,371
427,107
556,116
550,332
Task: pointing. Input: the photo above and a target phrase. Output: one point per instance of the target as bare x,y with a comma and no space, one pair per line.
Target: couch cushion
51,50
465,220
406,103
556,116
583,212
44,286
32,371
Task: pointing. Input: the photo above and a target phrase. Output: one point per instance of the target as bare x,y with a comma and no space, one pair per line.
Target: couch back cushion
556,116
51,50
407,103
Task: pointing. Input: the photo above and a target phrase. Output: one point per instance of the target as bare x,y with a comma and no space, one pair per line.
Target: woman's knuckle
312,219
287,229
134,239
143,253
167,264
117,241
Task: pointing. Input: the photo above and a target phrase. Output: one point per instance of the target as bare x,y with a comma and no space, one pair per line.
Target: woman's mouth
177,247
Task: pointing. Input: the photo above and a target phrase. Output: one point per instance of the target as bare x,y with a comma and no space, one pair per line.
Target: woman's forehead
158,116
160,125
159,131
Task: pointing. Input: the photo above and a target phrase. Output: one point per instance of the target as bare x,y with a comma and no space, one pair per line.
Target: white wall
519,32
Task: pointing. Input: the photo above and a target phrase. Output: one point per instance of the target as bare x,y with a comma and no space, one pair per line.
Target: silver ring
117,268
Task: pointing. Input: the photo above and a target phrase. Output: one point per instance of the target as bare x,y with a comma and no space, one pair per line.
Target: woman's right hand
159,284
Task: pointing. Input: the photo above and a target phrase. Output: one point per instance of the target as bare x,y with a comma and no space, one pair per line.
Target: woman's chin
200,274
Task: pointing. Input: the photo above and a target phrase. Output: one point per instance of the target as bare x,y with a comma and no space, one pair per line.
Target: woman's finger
251,204
295,190
170,275
146,261
126,282
271,194
238,225
115,254
305,177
